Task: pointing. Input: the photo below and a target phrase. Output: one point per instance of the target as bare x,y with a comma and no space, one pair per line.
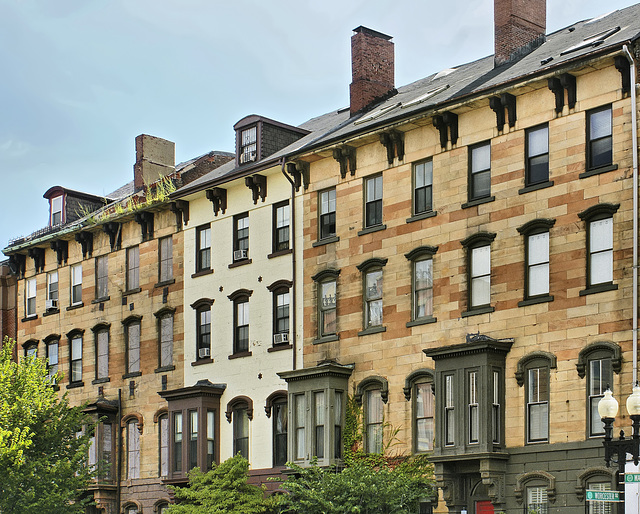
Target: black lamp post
619,448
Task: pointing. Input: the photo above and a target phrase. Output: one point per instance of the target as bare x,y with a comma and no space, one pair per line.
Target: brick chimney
372,68
519,27
155,158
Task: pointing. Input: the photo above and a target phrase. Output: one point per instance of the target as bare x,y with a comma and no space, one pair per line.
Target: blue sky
80,79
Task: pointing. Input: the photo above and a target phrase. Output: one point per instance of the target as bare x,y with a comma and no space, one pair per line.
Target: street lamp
608,409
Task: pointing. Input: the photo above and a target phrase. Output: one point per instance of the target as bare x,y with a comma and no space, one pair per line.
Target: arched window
277,408
240,299
165,337
421,284
326,297
240,412
419,389
372,393
372,288
533,372
132,328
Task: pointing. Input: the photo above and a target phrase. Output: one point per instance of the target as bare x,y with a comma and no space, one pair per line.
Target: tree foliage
223,489
42,457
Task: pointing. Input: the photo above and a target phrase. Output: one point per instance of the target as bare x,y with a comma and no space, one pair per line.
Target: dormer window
248,145
56,210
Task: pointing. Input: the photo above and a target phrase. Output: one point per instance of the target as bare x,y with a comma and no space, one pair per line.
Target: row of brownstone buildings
458,254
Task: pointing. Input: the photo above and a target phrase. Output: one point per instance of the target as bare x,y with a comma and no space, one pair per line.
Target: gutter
634,139
283,163
119,457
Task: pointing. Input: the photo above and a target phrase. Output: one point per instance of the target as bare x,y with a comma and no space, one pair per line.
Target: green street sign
603,496
631,478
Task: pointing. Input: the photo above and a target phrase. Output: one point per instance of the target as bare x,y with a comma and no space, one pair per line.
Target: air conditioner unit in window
281,338
204,352
238,255
248,157
51,305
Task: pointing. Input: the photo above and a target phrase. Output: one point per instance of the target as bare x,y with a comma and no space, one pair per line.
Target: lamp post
619,448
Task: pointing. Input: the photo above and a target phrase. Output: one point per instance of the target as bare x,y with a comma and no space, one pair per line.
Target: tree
223,489
42,453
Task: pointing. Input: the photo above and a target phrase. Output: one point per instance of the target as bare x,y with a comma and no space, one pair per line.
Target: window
479,271
133,268
241,325
177,441
281,316
133,450
536,279
480,171
56,210
537,500
193,439
102,353
449,411
241,237
102,276
203,248
53,345
599,138
537,404
31,349
279,413
599,507
423,416
132,328
30,294
211,431
373,201
422,187
248,146
76,284
326,291
373,414
299,436
337,424
423,288
318,415
600,373
537,152
496,415
281,227
105,451
474,407
203,316
163,422
165,325
241,430
599,220
327,219
76,358
52,288
165,247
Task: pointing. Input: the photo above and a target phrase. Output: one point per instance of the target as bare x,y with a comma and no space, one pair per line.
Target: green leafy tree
223,489
42,456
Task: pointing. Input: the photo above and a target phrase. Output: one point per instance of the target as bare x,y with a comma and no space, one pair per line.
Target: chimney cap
370,32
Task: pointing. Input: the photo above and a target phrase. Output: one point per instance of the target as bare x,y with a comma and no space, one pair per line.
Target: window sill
200,362
165,283
479,310
50,312
163,369
288,251
29,318
76,306
327,339
237,264
478,201
279,347
101,300
131,291
598,171
535,187
202,273
370,230
100,381
239,355
372,330
421,321
75,385
132,374
599,288
535,301
423,216
325,241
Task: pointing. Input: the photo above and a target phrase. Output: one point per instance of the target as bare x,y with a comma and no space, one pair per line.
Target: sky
80,79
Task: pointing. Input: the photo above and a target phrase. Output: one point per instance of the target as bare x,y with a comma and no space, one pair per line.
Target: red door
484,507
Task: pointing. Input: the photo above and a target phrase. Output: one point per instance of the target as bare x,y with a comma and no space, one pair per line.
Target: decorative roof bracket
61,248
393,141
181,209
86,242
346,156
218,197
37,254
557,85
447,125
623,66
258,186
17,264
299,171
501,103
145,220
114,231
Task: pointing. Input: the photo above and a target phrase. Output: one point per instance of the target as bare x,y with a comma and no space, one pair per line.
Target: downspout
634,140
293,262
119,470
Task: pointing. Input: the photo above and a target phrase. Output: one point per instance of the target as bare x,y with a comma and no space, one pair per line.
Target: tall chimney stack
372,68
519,27
155,158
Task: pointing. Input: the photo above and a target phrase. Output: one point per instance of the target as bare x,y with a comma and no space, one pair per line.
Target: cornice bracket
258,186
86,242
218,197
145,220
346,156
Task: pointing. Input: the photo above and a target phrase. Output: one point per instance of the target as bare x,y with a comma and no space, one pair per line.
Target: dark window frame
427,188
165,259
133,268
471,243
328,218
241,241
101,328
72,336
203,252
369,296
76,287
281,236
128,324
533,228
591,165
531,160
203,332
532,399
421,254
161,315
375,204
474,195
322,279
102,276
240,343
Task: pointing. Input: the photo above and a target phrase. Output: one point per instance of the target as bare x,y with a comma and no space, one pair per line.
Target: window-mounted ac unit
51,305
238,255
204,352
281,338
248,157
